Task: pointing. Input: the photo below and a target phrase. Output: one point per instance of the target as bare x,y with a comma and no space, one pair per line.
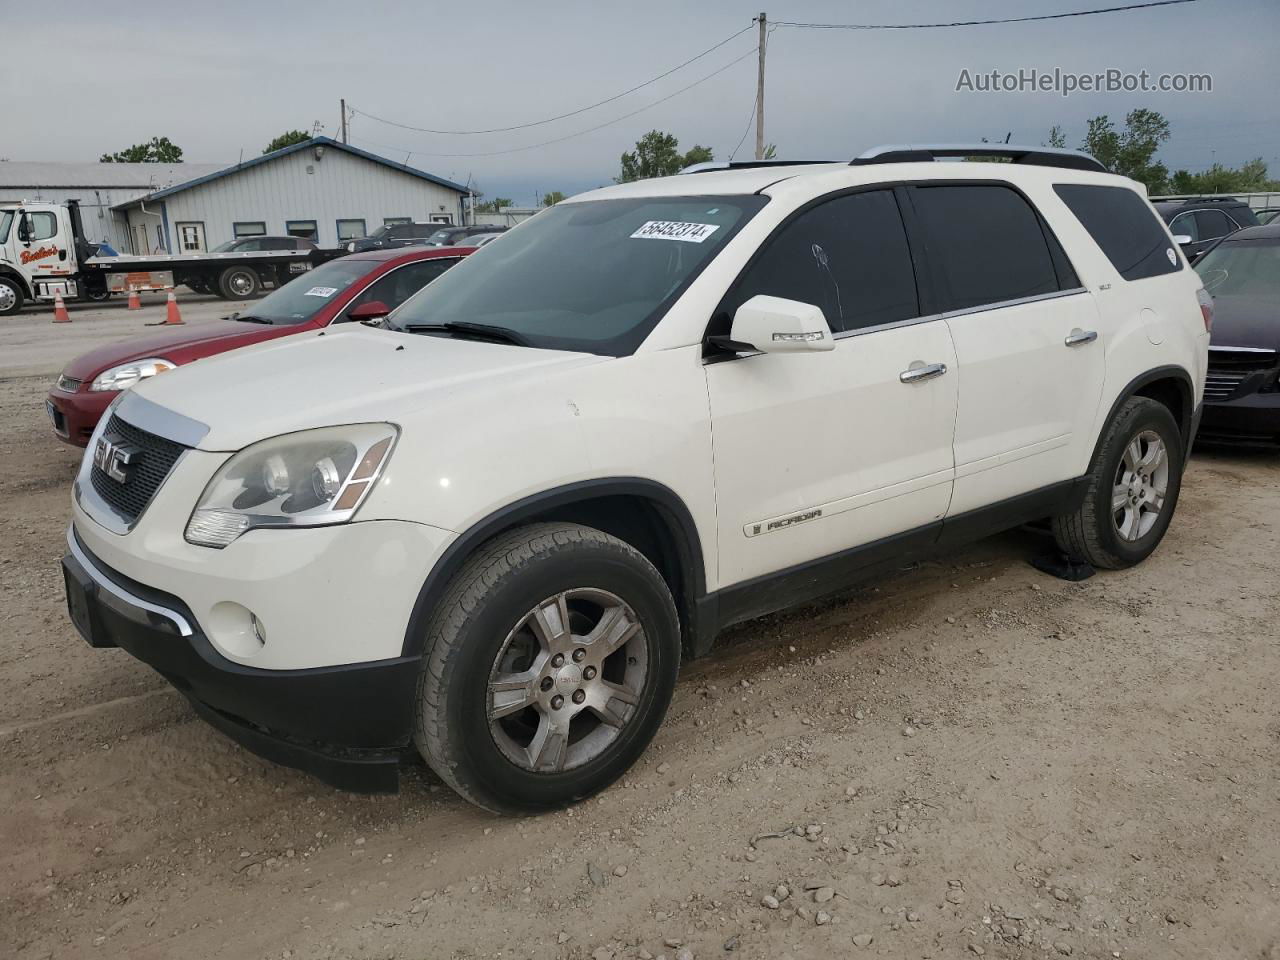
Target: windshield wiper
247,318
481,331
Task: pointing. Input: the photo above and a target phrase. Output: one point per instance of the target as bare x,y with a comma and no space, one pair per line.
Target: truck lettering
40,253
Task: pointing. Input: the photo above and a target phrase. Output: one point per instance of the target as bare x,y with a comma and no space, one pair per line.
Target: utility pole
763,20
343,104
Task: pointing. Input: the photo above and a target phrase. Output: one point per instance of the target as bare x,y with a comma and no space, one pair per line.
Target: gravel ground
967,758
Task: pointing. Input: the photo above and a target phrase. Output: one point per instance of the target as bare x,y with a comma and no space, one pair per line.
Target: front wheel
11,296
547,669
1132,489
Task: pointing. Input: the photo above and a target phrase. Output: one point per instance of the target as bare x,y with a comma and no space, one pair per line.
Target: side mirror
778,325
373,310
24,228
1181,239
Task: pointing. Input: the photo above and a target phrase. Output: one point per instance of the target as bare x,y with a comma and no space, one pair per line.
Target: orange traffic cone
135,302
172,316
60,314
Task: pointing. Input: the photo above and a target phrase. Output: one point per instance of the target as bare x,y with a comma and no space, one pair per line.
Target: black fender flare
672,508
1170,371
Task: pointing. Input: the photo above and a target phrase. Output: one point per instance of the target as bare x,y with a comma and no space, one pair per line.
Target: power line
978,23
562,116
599,126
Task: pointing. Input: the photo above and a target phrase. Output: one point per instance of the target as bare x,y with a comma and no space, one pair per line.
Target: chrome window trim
949,314
105,583
163,422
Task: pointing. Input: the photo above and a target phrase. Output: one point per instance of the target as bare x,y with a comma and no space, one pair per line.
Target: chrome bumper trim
104,583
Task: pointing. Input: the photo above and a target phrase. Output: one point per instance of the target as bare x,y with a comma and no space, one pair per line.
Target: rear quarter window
1124,226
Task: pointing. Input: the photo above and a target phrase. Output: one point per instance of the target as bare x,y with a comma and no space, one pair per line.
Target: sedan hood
181,345
353,374
1246,322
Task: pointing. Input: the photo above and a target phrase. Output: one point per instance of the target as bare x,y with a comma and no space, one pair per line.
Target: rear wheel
238,283
548,667
11,296
1132,489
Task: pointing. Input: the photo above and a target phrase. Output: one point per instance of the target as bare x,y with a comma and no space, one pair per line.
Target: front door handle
919,372
1078,337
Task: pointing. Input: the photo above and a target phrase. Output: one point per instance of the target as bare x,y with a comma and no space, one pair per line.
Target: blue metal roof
326,142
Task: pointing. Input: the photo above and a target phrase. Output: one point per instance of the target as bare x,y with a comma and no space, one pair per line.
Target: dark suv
1204,220
451,236
393,235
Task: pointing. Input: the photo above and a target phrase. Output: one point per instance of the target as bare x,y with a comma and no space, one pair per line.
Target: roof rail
1038,156
712,165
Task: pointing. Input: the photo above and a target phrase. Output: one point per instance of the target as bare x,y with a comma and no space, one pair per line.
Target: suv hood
349,375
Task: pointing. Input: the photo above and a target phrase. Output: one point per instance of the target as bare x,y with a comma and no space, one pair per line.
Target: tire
11,296
238,283
1123,516
97,295
487,627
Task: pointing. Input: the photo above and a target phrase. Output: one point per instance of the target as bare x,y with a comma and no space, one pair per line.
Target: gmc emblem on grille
114,458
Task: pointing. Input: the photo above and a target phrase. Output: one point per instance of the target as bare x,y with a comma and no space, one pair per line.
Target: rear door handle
1078,337
917,374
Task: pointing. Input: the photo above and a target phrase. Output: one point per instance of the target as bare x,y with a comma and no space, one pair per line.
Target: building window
349,230
248,228
396,221
301,228
190,237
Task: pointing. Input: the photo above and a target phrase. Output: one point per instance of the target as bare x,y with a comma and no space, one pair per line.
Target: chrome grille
156,457
1230,369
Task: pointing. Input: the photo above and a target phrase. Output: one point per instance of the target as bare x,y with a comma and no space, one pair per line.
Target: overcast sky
221,79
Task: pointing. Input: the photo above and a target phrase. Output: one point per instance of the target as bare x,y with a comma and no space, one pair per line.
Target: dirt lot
968,756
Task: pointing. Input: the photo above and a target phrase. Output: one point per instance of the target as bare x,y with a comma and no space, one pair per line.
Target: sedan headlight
127,374
307,479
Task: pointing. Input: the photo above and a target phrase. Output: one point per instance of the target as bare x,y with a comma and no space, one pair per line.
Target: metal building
98,186
321,189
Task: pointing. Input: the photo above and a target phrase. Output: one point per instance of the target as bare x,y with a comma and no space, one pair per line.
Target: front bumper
347,725
74,415
1252,419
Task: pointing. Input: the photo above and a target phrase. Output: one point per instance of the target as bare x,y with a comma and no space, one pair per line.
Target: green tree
494,205
287,139
1252,177
552,198
1056,137
159,150
1131,152
657,154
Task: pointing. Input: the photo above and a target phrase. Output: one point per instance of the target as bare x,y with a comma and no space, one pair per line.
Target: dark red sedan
362,286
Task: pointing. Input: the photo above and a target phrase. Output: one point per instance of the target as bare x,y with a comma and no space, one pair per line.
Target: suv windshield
303,297
1249,268
593,276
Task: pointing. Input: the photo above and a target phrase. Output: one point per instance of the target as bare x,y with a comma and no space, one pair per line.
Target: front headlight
307,479
351,247
127,374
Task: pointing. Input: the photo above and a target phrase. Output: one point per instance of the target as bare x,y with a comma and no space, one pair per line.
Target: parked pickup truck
44,252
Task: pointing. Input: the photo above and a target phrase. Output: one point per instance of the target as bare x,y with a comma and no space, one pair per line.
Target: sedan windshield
594,276
1249,268
303,297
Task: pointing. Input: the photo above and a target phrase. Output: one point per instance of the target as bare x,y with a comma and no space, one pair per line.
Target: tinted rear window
1124,226
987,244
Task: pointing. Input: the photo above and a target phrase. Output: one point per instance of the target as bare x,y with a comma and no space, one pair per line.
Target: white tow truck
43,252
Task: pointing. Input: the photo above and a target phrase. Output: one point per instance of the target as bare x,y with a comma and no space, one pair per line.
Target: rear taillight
1206,308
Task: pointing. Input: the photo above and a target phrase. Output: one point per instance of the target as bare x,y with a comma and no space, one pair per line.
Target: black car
449,236
1204,221
258,244
1242,390
393,235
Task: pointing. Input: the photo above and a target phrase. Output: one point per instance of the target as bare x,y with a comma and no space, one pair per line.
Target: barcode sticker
675,230
321,292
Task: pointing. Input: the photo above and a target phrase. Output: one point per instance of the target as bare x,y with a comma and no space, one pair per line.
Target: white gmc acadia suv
493,526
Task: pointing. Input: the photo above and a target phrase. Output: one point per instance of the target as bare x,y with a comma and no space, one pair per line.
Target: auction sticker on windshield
675,230
321,292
